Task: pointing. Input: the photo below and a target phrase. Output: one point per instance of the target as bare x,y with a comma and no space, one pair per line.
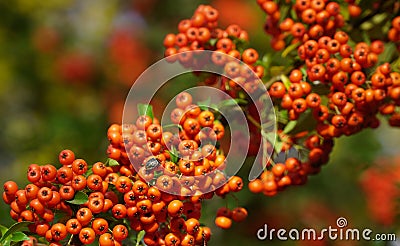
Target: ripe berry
87,235
120,232
106,239
49,173
58,232
10,188
84,216
223,222
239,214
100,226
175,207
96,205
45,194
73,226
94,182
255,186
64,174
235,183
79,166
249,56
66,157
119,211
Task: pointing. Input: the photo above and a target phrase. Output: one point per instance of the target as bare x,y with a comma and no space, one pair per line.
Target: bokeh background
66,67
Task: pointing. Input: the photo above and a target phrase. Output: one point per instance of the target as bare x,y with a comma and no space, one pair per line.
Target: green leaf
282,116
214,106
266,60
3,230
286,81
277,70
228,103
60,215
240,43
366,37
289,49
270,136
212,41
378,18
306,122
107,217
6,241
389,54
304,72
284,10
231,102
79,198
290,126
145,109
345,13
173,154
19,226
204,105
95,243
89,172
293,14
241,101
278,146
367,26
302,153
140,237
19,236
173,125
111,162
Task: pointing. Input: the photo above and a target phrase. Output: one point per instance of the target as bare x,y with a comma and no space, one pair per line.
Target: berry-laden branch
337,88
152,187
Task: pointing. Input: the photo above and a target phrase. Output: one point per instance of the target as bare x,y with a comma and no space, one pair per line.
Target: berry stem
253,121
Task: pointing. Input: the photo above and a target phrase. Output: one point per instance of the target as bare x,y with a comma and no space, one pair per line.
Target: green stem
254,121
70,239
235,198
272,80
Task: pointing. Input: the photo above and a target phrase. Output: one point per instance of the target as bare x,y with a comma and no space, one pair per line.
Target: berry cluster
354,92
352,95
312,20
157,183
394,32
184,163
53,191
172,160
201,32
335,88
112,198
